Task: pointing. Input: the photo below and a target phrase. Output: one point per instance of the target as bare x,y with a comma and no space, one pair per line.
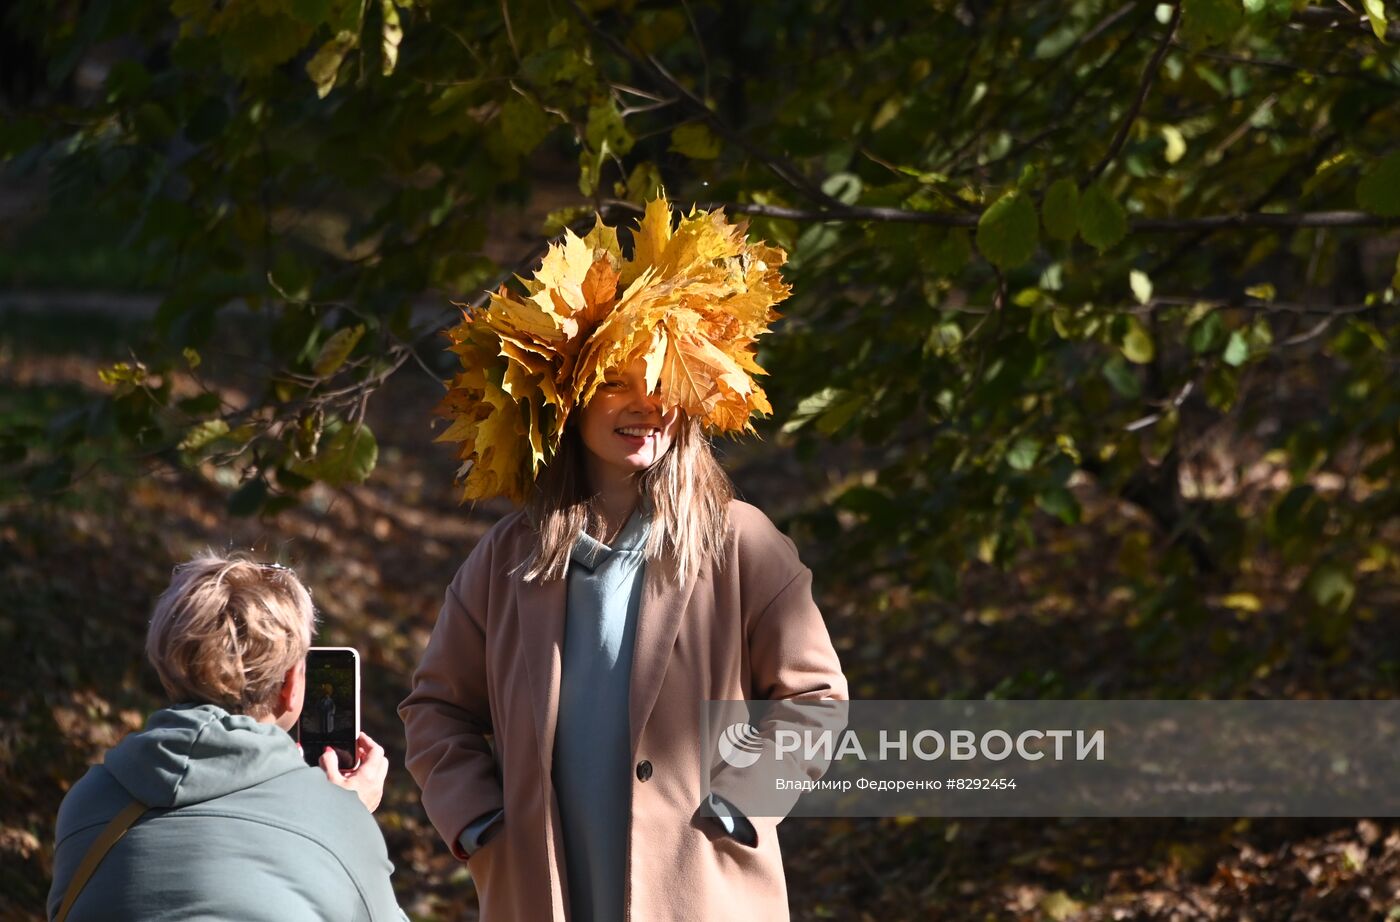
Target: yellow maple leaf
650,239
485,418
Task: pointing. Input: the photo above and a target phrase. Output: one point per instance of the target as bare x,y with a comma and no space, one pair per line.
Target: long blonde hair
688,490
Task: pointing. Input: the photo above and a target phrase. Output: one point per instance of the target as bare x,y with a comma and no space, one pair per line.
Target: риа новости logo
740,745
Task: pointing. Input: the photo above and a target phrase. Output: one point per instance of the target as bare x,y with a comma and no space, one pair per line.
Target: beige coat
746,628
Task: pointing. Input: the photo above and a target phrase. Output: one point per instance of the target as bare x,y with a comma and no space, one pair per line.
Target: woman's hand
367,781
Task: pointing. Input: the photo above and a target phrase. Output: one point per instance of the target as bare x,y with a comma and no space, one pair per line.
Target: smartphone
330,710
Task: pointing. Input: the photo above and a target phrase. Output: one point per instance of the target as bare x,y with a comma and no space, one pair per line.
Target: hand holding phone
367,780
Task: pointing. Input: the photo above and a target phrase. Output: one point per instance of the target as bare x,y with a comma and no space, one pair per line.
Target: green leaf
812,406
324,66
347,457
337,349
1176,143
1022,454
291,481
815,240
248,498
391,35
1102,221
523,124
696,141
1331,586
1236,350
123,373
201,434
836,416
1060,210
1028,297
844,187
644,182
1259,336
1206,333
1327,170
306,439
1210,22
1060,503
1137,343
605,130
590,167
1379,189
1375,10
943,339
1122,377
1007,232
927,177
1141,285
556,65
1264,291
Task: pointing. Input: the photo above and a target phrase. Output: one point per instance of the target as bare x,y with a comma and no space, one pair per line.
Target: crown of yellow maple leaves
691,301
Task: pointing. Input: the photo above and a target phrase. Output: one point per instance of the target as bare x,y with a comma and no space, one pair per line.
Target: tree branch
1319,18
1264,219
1286,67
1156,304
848,213
1149,75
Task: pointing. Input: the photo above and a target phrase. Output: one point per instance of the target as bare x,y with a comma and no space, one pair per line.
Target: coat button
644,770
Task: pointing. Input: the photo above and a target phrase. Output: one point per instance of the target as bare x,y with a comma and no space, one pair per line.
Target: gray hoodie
239,828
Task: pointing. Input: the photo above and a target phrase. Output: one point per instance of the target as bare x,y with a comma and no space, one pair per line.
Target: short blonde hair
227,630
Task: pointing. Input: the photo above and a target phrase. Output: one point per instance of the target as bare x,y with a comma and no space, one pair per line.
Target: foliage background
1087,389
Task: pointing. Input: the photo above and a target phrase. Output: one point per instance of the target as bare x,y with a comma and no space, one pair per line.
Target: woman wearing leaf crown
554,721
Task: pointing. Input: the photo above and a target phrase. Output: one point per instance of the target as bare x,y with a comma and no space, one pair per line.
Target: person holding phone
230,823
331,716
554,719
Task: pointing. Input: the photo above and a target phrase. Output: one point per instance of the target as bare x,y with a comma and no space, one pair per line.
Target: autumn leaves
691,301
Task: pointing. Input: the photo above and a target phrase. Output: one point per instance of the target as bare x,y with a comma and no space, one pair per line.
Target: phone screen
330,712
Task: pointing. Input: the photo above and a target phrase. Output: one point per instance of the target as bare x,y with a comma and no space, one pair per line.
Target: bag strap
110,835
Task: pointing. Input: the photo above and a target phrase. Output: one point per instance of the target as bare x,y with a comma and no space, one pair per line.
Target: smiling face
623,427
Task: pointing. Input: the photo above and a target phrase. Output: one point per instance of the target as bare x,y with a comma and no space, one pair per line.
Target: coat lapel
541,616
662,609
659,617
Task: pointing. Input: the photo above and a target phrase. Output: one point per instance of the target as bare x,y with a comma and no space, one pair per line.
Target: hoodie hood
195,752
